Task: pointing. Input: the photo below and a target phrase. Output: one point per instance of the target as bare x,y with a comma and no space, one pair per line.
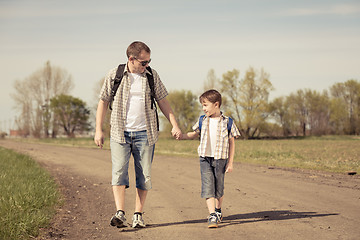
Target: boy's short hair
212,96
135,48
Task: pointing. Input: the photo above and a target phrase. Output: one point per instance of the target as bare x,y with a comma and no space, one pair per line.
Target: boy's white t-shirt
135,107
212,134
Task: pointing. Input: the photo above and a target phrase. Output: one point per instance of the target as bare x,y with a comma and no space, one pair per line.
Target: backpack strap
117,80
150,79
201,118
229,124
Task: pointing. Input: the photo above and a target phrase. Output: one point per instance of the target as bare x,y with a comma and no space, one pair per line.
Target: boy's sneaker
212,221
219,216
138,221
118,220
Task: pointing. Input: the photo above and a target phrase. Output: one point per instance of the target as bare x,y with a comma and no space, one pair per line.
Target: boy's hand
176,132
229,167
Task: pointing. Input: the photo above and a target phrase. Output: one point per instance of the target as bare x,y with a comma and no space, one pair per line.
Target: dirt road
260,202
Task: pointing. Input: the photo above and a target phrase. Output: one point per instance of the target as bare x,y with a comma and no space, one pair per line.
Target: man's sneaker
212,221
219,216
118,220
138,221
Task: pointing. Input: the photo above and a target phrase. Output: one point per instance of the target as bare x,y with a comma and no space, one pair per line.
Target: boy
216,152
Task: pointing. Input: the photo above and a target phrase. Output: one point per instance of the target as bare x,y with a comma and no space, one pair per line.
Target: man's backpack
117,81
230,122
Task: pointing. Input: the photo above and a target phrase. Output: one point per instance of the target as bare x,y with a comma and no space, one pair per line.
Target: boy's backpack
230,122
117,80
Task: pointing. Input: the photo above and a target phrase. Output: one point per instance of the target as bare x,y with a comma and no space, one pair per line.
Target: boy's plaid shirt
118,114
222,138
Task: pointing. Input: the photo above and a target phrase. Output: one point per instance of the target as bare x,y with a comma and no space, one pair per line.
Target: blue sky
302,44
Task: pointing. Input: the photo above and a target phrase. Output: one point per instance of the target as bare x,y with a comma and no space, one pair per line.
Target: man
134,128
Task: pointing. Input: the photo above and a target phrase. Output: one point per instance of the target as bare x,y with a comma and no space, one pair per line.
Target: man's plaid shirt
222,137
118,114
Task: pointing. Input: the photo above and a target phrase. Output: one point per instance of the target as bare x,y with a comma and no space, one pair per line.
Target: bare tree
32,97
211,81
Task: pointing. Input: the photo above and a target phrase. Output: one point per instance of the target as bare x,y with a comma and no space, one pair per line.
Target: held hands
176,133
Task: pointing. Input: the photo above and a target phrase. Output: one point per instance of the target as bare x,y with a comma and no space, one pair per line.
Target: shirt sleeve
160,89
105,93
234,131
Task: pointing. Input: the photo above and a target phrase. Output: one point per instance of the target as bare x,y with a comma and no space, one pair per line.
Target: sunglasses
143,63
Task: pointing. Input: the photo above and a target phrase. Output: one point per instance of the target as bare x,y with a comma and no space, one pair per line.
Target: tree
72,113
318,112
211,80
32,97
248,99
186,108
348,95
279,109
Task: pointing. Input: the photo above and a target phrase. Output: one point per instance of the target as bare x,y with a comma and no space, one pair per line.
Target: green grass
327,153
28,196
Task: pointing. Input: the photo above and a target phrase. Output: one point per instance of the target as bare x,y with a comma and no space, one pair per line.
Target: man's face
140,63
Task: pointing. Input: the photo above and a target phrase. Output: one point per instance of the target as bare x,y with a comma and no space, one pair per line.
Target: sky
308,44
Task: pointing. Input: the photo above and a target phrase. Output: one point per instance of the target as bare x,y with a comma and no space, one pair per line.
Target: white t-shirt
211,140
135,108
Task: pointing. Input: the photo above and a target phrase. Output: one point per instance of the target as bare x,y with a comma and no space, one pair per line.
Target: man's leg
143,155
120,155
119,197
140,200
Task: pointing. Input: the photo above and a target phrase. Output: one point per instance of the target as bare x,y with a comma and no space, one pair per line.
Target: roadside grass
327,153
28,196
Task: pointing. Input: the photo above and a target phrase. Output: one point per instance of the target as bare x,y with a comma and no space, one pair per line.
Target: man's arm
167,111
100,115
229,166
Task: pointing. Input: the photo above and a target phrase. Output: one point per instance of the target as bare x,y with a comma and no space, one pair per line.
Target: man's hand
99,139
176,132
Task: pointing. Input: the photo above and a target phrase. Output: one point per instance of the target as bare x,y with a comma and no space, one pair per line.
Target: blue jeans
212,177
137,145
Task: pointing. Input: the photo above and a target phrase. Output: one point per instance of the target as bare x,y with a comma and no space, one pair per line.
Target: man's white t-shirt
211,140
135,108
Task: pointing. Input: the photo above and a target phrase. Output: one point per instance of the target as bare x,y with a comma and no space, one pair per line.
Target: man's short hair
135,49
212,96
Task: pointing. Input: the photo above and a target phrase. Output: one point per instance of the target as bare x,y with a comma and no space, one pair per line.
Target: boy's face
210,109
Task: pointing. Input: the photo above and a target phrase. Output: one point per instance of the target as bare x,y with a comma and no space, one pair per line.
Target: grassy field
28,196
328,153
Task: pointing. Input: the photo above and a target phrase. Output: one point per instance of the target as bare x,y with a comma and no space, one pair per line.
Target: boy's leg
210,202
218,202
219,193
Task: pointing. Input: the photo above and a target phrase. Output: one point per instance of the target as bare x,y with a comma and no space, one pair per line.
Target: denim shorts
212,177
143,154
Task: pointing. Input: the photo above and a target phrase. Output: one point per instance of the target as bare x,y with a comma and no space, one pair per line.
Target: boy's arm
229,165
189,135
